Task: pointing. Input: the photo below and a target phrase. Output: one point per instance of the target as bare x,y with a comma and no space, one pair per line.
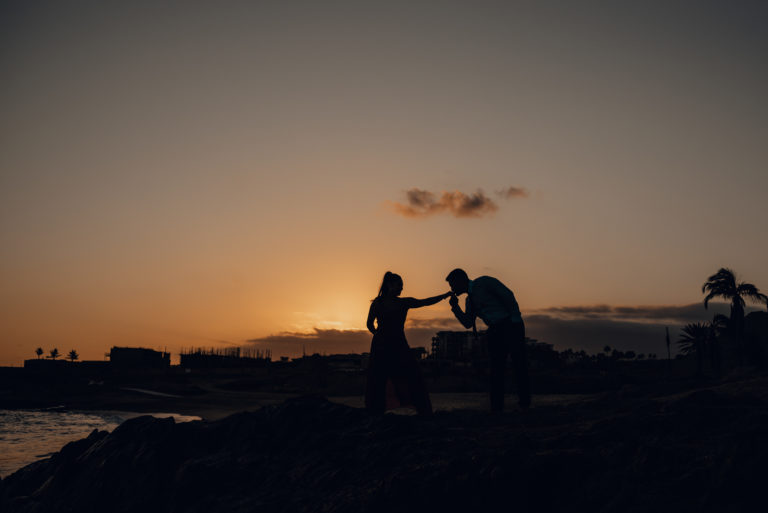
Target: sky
178,174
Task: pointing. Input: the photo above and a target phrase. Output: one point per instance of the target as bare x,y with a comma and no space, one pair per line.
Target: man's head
458,280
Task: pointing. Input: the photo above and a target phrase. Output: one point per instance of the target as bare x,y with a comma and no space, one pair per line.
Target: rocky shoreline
625,452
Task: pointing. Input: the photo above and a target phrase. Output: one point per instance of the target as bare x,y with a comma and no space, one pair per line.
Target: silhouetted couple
392,361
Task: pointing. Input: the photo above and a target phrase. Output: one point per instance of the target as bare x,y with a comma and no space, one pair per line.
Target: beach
629,450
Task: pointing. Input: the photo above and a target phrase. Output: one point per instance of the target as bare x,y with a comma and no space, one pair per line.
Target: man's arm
467,319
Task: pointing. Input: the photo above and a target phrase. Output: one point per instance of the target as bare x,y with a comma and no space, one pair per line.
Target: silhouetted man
495,304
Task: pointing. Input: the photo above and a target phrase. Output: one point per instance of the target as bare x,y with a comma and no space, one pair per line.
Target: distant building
139,358
419,352
541,355
93,364
459,346
64,367
348,362
45,363
234,357
464,346
343,362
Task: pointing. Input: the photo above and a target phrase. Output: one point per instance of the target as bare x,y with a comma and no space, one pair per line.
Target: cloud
514,192
330,341
592,335
434,324
577,331
591,327
421,203
694,312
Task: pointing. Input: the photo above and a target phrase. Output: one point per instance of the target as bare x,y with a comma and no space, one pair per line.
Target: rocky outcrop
701,452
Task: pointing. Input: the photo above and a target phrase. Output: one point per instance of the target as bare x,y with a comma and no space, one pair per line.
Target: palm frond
724,275
747,289
694,337
750,291
724,284
717,293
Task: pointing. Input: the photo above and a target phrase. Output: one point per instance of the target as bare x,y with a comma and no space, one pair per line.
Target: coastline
31,435
211,406
628,451
216,406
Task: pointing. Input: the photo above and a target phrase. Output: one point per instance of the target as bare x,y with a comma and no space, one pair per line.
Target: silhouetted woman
391,358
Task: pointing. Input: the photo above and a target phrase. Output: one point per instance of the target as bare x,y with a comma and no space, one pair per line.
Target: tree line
54,353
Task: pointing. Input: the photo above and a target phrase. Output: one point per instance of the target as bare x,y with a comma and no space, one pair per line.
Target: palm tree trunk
737,322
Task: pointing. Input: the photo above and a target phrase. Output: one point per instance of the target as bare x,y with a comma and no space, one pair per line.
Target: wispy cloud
418,331
640,328
422,203
315,334
513,192
694,312
316,341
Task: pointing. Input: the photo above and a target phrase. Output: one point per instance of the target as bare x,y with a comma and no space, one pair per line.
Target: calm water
29,435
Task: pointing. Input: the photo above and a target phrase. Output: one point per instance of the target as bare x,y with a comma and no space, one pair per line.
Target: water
29,435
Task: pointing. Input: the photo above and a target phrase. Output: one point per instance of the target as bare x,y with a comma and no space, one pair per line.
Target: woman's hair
388,278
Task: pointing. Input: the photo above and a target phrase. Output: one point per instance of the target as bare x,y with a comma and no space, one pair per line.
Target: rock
699,453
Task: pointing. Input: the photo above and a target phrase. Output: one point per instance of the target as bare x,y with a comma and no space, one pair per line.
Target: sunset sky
212,173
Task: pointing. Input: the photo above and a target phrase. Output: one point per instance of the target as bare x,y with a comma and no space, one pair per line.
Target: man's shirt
490,300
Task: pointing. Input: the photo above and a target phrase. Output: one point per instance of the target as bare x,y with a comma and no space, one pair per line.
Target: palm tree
694,340
54,353
721,332
724,284
39,352
73,355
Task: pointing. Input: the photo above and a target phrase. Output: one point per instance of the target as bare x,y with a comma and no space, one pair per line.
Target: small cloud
317,334
422,203
319,340
588,312
682,314
433,324
513,192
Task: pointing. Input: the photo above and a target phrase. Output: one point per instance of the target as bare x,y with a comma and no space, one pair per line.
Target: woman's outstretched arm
418,303
371,317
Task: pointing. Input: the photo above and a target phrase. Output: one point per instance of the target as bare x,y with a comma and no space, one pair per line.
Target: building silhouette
139,358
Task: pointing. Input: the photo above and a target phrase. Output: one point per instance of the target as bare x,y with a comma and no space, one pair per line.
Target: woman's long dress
393,362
